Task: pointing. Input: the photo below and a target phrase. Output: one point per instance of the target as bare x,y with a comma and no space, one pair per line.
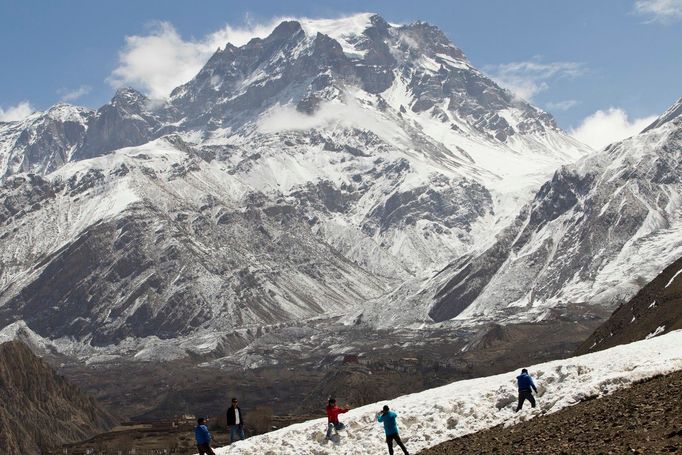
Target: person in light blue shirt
388,418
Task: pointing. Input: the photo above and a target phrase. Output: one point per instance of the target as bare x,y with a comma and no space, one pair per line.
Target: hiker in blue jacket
391,429
525,385
203,437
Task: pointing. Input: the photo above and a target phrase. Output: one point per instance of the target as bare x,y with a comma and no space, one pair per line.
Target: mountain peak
128,96
670,114
284,30
65,112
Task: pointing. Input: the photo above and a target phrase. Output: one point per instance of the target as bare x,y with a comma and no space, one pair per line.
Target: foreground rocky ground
644,419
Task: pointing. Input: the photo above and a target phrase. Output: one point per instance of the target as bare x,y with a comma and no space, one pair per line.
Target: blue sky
610,62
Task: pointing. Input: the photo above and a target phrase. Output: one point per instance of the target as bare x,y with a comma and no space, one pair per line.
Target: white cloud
328,114
160,61
18,112
71,95
527,79
562,105
605,127
331,114
664,11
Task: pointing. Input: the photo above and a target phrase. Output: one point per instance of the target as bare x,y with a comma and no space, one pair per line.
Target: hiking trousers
395,437
237,431
523,396
205,449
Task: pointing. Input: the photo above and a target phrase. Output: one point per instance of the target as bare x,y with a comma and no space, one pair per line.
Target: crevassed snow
433,416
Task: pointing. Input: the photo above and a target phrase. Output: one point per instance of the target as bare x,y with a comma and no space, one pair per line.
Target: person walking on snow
525,385
333,412
203,437
388,418
235,421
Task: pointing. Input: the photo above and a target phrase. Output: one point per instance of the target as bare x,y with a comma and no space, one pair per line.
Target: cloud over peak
72,95
17,112
158,62
528,78
605,127
664,11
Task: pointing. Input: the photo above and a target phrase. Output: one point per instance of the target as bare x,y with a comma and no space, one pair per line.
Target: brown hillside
658,304
38,408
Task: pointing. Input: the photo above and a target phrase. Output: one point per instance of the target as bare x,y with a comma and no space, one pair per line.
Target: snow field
433,416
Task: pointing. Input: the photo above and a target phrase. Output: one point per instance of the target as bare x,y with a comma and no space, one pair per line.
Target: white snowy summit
330,169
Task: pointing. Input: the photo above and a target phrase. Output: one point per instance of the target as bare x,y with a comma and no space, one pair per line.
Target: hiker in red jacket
333,412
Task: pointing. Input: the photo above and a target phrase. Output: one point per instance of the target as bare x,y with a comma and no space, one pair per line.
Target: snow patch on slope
437,415
342,30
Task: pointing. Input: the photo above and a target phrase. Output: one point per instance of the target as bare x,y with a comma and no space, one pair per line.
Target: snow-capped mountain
303,174
596,232
42,142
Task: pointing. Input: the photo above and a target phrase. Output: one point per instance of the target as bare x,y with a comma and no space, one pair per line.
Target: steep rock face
39,409
126,121
588,236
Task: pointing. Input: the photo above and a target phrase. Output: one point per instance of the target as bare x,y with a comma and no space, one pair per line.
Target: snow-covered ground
433,416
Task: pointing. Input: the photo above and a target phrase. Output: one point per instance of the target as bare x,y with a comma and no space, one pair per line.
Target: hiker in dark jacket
388,418
235,421
203,437
333,423
525,385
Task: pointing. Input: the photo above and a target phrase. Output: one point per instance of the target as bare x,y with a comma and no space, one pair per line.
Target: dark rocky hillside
643,419
40,409
656,309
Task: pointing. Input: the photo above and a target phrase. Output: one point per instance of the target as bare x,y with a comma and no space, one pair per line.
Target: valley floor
645,419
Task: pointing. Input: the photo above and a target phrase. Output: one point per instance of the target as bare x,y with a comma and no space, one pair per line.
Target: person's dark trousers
523,396
395,437
205,449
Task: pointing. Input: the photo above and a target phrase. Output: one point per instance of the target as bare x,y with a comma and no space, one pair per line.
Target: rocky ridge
39,409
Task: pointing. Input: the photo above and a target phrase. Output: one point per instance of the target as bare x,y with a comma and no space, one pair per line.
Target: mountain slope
596,232
300,175
591,427
40,410
171,244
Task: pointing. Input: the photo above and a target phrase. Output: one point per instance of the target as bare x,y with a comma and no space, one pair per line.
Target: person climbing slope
388,418
525,383
333,412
